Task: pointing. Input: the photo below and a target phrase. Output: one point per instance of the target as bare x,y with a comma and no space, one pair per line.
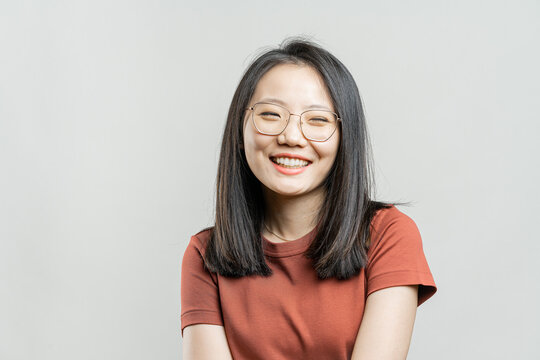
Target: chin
288,191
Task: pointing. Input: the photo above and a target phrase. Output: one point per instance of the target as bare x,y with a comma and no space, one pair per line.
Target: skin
205,342
387,325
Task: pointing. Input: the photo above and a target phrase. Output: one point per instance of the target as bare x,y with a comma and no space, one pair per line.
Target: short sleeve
199,289
396,256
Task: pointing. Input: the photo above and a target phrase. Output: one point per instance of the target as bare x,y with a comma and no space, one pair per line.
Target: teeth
290,162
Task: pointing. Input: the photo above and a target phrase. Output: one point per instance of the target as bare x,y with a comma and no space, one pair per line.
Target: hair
339,248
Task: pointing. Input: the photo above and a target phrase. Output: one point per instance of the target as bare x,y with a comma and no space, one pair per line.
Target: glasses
272,119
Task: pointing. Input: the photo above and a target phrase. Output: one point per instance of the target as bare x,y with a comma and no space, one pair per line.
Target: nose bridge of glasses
297,115
299,124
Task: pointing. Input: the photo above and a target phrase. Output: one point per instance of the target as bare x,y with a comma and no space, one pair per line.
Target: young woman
302,263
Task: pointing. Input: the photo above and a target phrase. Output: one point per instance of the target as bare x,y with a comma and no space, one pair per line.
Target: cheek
328,151
335,147
251,145
254,145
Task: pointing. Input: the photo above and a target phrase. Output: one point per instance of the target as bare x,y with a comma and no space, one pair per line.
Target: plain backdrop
111,115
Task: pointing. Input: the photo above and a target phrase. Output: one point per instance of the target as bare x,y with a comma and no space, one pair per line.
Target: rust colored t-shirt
292,314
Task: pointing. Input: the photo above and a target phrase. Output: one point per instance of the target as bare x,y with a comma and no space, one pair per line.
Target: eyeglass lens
272,119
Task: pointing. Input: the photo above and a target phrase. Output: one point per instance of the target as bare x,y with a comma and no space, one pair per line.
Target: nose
292,134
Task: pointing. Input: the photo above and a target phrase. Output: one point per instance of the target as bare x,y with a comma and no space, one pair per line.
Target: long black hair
339,249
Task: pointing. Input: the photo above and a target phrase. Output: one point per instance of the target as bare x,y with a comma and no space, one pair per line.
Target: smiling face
270,157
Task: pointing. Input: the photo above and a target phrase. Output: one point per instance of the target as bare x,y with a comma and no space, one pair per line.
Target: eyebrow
281,102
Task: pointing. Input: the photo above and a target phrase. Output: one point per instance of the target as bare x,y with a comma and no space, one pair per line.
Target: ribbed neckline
289,248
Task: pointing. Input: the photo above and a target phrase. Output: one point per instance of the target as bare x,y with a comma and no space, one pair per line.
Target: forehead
297,86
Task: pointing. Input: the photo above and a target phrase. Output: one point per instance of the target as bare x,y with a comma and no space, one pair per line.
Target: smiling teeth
288,162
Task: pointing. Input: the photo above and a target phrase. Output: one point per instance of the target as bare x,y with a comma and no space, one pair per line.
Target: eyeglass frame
338,119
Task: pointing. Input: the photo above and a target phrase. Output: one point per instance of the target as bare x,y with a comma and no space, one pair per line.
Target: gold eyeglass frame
338,119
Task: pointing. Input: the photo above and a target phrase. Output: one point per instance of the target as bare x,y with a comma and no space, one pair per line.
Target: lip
292,156
288,171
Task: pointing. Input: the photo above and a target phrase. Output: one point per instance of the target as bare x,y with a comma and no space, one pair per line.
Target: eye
269,114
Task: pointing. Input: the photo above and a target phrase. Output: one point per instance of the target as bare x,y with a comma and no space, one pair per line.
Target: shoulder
391,224
386,217
200,239
204,234
193,260
396,256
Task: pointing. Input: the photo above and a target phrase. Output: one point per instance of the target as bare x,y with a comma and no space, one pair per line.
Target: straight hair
339,248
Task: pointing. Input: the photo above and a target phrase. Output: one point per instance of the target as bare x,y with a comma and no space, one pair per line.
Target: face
297,88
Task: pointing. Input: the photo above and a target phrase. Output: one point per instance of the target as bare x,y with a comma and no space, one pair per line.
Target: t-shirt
293,314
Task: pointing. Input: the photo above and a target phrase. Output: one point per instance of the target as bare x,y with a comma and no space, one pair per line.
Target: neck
292,216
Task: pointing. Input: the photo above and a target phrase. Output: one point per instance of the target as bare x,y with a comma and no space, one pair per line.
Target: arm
387,326
205,342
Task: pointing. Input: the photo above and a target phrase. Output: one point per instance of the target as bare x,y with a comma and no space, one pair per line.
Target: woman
301,262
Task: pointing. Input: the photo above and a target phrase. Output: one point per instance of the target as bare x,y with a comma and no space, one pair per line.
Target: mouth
290,163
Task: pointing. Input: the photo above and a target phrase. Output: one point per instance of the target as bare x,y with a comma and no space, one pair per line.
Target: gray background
111,114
